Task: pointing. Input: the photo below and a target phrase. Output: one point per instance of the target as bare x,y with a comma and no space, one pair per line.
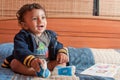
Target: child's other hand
36,64
62,58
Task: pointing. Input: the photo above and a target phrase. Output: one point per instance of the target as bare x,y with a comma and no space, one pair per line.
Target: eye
43,17
34,18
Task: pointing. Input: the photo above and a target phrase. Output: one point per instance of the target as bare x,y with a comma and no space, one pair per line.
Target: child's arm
22,50
35,63
62,56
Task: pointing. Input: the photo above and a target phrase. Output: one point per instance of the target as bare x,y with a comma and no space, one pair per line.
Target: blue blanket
83,58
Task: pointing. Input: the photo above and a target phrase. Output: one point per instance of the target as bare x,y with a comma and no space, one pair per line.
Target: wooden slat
9,24
84,25
8,31
90,42
77,32
88,34
6,38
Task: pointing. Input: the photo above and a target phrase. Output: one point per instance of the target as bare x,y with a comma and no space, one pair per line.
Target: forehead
35,12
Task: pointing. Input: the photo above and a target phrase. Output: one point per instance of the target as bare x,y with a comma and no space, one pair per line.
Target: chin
40,32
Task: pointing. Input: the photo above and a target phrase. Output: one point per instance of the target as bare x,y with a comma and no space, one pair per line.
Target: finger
57,58
37,66
64,59
61,59
40,61
37,69
67,59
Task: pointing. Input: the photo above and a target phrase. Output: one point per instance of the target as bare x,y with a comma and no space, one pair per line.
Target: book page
100,69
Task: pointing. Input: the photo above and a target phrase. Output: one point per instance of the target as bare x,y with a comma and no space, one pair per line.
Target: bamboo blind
54,8
109,8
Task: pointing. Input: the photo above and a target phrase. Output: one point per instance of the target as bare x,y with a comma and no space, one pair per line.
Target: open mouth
41,26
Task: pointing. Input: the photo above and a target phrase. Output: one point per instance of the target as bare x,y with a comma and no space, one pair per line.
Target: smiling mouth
41,26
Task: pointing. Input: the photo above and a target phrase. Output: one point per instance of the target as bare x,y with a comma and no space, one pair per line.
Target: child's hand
36,64
62,58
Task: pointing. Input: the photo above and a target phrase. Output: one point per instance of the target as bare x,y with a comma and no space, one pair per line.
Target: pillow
5,50
110,56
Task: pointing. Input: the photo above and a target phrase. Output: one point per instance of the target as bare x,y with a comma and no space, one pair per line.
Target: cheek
32,24
46,23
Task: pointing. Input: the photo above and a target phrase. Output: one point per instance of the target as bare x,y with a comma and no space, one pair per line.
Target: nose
39,20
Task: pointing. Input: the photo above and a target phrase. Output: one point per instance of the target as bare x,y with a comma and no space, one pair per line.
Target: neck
38,35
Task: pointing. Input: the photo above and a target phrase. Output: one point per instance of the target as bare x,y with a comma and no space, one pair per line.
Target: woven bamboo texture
109,8
54,8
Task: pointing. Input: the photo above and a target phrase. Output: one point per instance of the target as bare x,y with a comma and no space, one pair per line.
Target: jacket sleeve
55,46
21,49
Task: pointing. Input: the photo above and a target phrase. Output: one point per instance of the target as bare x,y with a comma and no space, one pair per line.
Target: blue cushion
5,50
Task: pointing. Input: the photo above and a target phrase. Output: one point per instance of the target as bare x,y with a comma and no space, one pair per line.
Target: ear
23,24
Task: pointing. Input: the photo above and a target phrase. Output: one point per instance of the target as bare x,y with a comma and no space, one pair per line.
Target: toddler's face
35,21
